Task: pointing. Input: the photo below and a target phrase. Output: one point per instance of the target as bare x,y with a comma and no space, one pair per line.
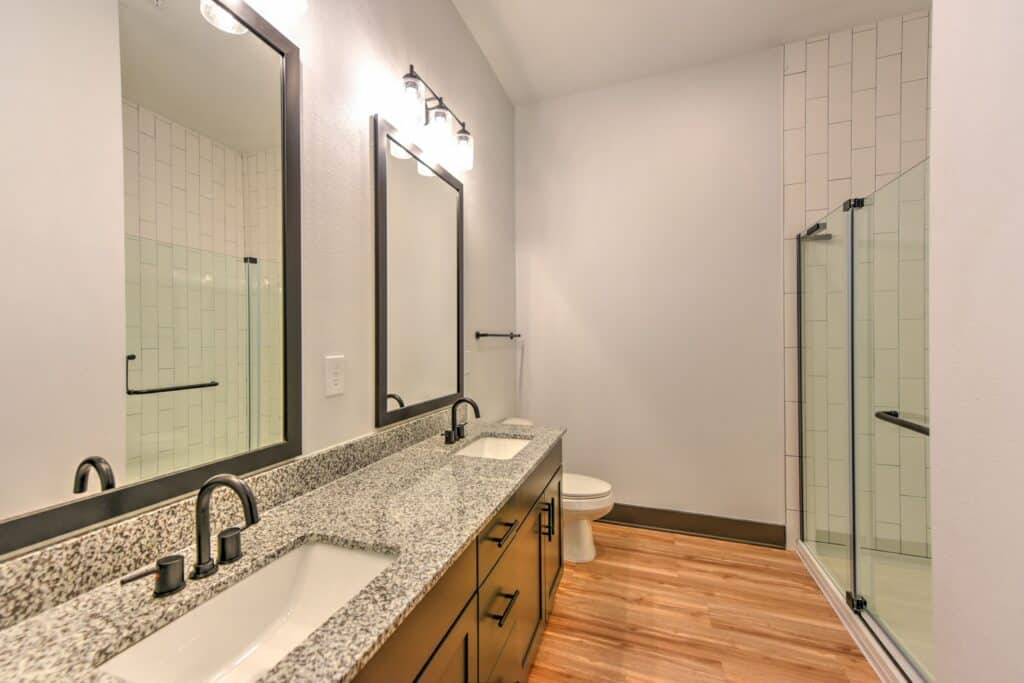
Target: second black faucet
458,431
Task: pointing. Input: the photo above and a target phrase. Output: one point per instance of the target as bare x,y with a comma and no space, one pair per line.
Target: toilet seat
582,487
589,505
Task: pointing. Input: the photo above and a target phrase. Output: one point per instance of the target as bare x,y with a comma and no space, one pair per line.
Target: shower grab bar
507,335
160,390
893,417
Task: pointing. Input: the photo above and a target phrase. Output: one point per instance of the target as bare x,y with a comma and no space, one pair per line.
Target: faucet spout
103,470
458,431
205,566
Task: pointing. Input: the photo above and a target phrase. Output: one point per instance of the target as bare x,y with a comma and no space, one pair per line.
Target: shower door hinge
855,203
856,602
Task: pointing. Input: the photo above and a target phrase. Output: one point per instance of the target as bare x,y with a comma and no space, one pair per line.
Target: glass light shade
439,122
220,18
397,151
412,100
463,154
437,136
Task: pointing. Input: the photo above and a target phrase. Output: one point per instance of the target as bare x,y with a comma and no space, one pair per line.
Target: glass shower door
824,271
893,531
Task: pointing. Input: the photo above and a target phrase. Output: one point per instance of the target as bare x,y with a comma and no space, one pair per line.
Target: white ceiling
225,86
545,48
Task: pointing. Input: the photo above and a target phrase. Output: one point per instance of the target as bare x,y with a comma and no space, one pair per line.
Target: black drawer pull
504,538
550,530
508,608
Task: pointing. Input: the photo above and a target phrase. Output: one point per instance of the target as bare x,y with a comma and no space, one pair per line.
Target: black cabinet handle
550,530
508,532
503,617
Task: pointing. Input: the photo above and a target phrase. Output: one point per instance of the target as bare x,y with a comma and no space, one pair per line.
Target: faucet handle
170,575
229,545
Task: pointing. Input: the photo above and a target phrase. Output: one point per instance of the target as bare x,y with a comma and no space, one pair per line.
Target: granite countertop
423,504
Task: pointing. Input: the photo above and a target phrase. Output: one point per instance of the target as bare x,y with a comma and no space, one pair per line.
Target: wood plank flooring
657,606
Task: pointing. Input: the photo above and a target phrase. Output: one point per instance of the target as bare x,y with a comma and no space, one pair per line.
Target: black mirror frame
19,533
382,132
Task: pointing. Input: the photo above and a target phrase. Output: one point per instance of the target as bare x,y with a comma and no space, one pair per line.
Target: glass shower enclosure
863,341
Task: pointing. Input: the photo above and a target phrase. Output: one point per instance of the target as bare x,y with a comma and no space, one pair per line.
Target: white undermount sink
244,631
495,447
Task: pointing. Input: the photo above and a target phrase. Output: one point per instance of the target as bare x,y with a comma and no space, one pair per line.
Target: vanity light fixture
220,18
438,119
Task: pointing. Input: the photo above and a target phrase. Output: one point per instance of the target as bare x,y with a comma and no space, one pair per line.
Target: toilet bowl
584,499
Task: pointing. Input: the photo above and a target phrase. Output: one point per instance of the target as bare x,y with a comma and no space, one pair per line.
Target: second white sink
495,447
241,633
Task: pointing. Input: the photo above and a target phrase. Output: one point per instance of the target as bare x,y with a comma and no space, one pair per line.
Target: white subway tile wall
193,209
863,120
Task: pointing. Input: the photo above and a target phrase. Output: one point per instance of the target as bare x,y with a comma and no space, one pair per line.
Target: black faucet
205,566
103,469
458,431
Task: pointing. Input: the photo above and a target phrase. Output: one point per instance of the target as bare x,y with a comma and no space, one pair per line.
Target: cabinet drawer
493,541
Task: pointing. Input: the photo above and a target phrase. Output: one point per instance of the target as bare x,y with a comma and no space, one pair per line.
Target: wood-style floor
657,606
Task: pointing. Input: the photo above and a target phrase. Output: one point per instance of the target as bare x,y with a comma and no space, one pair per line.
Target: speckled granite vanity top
424,504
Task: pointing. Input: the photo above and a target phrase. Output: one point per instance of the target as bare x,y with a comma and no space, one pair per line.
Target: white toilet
584,499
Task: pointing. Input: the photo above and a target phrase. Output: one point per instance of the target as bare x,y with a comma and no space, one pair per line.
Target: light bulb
397,151
220,18
463,155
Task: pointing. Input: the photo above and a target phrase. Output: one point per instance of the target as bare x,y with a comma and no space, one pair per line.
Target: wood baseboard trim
880,659
724,528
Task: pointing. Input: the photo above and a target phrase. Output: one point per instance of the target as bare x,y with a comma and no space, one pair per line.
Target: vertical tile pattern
187,295
863,120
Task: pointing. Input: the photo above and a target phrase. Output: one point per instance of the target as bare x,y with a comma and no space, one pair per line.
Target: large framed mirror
154,249
419,275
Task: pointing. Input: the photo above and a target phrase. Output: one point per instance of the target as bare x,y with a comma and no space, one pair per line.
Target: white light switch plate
334,375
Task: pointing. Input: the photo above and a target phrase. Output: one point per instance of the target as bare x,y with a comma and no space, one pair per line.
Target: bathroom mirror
419,280
154,252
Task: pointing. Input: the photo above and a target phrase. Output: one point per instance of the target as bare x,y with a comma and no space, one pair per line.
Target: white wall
354,54
62,280
977,389
650,284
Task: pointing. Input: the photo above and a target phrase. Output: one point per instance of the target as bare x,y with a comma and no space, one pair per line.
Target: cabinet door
554,559
531,566
455,660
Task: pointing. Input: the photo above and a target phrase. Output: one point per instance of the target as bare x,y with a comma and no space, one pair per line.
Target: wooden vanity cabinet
516,565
